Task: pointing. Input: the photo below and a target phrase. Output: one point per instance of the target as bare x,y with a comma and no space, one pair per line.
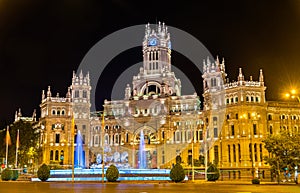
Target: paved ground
145,187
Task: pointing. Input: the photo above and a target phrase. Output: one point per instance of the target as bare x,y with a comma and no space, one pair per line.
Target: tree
28,143
284,150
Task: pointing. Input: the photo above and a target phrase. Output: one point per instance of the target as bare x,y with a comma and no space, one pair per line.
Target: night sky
42,42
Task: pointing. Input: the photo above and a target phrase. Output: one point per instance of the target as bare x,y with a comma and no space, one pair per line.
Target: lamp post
72,145
102,140
293,95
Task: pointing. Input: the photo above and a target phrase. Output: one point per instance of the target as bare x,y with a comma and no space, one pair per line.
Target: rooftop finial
49,92
241,76
261,76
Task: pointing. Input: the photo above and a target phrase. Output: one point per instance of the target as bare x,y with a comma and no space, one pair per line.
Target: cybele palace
227,128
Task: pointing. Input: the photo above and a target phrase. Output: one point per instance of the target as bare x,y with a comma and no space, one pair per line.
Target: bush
255,181
6,174
15,175
215,173
112,173
43,172
177,173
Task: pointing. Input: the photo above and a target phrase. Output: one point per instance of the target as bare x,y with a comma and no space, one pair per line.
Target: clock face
152,42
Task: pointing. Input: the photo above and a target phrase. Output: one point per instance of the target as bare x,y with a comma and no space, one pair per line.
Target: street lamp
293,95
102,140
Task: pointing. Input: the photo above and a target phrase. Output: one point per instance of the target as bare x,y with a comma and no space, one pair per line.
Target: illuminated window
56,155
213,82
229,158
51,155
84,94
239,152
216,132
260,152
271,129
234,153
76,94
255,152
57,136
232,130
254,129
201,135
250,151
216,152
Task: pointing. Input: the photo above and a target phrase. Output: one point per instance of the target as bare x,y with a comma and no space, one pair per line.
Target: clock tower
155,77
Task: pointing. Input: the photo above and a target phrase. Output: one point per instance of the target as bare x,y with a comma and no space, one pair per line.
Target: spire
19,113
88,76
241,76
68,95
208,62
261,76
223,65
49,92
217,61
204,66
80,74
43,94
34,115
16,116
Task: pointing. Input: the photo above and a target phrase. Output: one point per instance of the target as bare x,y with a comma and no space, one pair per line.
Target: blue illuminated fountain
79,154
142,153
83,174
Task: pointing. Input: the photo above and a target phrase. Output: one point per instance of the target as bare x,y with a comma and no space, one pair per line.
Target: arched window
239,152
56,155
96,141
51,155
213,82
84,94
234,153
229,156
53,112
76,94
177,134
57,136
271,129
61,158
236,99
269,117
255,152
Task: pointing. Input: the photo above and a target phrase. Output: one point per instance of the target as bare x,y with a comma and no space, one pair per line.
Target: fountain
79,154
142,153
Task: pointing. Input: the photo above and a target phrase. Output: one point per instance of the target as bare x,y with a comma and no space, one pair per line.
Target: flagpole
6,140
72,146
17,147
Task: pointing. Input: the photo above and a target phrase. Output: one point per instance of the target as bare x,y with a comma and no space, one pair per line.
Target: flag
7,139
17,142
